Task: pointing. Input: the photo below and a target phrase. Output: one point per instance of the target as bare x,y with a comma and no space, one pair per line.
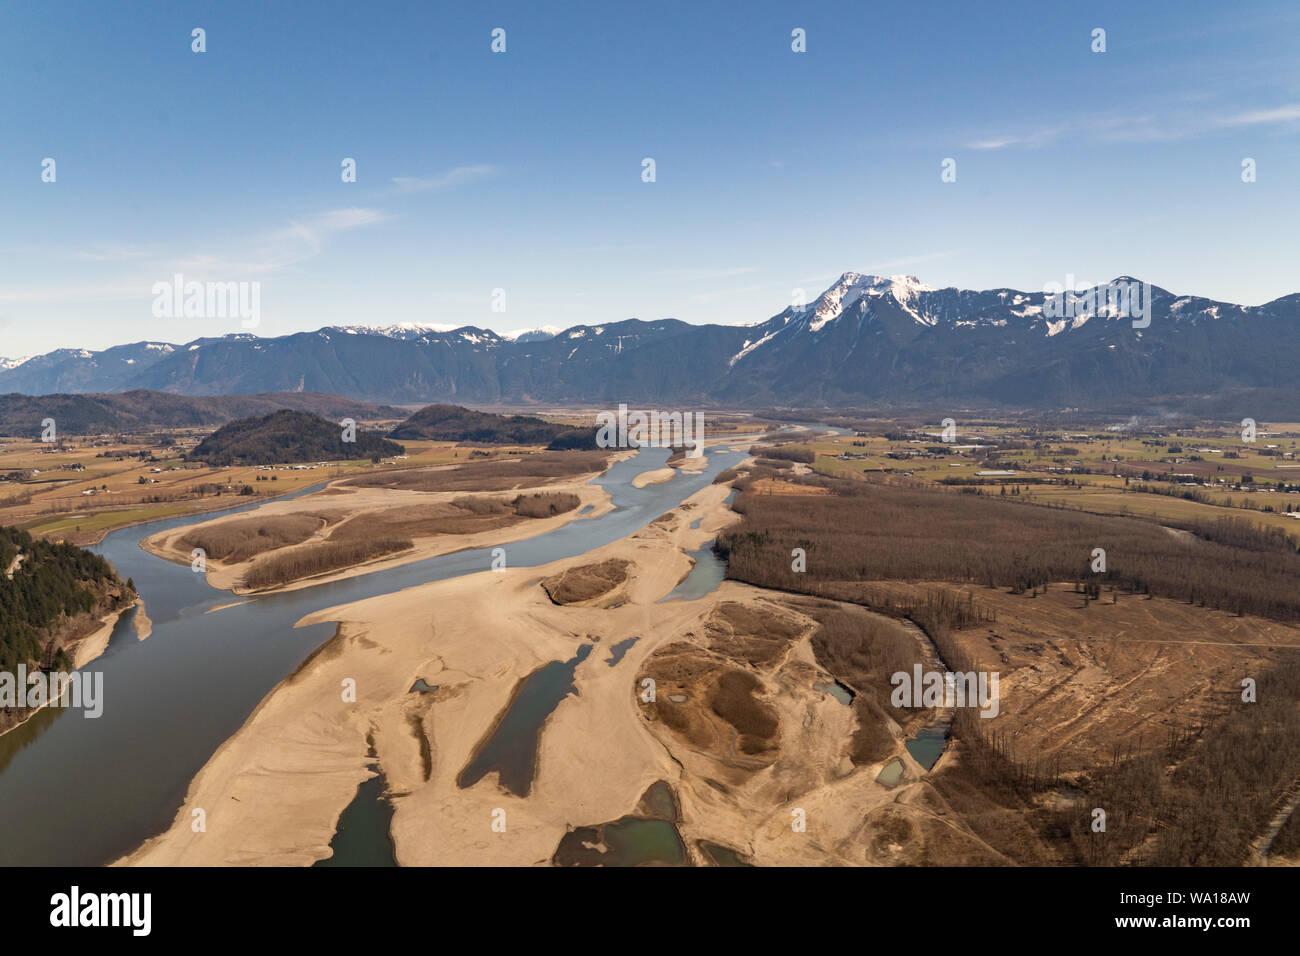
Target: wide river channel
82,791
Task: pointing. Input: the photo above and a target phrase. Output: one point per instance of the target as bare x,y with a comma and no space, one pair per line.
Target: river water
78,791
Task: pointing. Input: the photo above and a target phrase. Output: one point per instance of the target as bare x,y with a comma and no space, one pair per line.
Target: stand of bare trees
867,531
320,558
1202,797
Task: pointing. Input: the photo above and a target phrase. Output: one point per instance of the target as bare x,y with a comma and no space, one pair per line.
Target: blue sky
521,171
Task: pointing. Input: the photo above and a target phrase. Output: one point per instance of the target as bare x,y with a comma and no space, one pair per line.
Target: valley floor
1081,683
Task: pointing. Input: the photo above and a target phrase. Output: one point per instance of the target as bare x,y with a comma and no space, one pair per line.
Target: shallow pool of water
927,746
362,837
704,578
721,855
616,651
511,750
891,773
633,842
842,694
627,841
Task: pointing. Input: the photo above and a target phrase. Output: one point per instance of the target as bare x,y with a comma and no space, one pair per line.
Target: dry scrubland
520,472
1119,689
359,523
588,583
370,535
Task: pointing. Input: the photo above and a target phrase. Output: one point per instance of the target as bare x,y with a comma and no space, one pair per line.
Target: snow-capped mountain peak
8,363
852,286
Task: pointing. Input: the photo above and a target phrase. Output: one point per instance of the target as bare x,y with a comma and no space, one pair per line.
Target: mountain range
865,339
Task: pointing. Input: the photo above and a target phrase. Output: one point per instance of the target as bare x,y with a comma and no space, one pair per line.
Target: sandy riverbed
272,794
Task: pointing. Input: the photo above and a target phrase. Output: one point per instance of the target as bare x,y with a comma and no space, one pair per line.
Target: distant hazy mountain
866,339
140,410
80,370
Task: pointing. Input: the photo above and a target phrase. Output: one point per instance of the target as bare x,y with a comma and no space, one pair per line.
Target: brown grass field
86,486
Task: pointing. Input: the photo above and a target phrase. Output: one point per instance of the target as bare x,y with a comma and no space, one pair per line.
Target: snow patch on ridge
398,330
747,348
542,332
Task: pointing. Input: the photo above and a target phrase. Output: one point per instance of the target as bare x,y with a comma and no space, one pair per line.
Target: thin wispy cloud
1281,114
1035,138
459,176
1163,126
304,238
297,242
294,243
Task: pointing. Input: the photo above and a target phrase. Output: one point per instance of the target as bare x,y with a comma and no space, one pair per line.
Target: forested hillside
455,423
44,585
287,436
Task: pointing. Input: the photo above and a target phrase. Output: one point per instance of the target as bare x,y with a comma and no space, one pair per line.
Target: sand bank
655,477
85,649
273,792
353,502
